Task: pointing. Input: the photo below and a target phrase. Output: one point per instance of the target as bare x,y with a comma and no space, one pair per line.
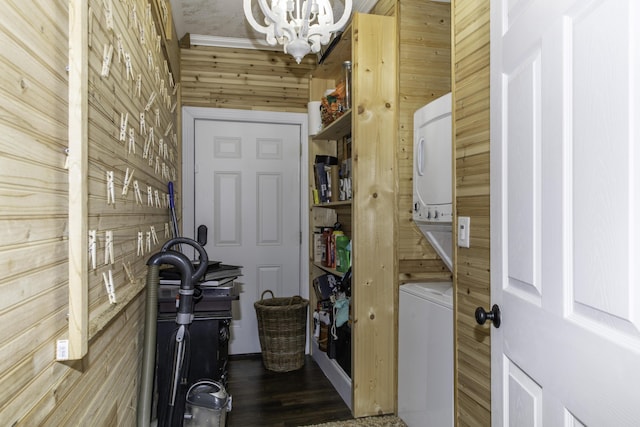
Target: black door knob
493,315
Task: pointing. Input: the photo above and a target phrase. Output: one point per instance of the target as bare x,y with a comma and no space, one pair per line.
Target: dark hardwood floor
286,399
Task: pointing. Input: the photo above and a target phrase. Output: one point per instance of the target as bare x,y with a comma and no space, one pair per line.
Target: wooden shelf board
336,130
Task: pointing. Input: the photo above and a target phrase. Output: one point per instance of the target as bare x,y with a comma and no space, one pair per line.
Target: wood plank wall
424,75
100,390
471,130
244,79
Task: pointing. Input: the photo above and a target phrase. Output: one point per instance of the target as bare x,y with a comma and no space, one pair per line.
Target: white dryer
432,175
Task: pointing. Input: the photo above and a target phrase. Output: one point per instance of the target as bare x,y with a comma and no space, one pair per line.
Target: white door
247,193
565,196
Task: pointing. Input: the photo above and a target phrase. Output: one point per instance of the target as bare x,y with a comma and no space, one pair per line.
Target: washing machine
425,354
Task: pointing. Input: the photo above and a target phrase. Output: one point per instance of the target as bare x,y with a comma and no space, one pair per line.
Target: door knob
493,315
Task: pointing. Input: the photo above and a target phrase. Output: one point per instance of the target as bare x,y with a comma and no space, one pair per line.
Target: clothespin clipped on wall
175,89
148,241
154,236
120,48
139,86
165,171
141,34
157,168
171,82
111,199
108,284
133,17
160,145
128,271
136,189
128,66
157,117
108,247
166,200
169,127
108,14
127,181
166,230
124,118
149,60
143,124
157,74
66,158
152,97
173,174
148,145
140,244
165,152
149,196
158,43
147,15
173,106
107,54
92,248
156,193
132,141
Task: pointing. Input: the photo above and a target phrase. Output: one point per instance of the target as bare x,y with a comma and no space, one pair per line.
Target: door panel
565,202
247,191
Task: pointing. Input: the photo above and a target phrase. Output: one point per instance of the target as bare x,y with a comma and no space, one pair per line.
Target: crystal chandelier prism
300,26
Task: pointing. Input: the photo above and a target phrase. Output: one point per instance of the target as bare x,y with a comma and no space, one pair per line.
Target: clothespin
127,181
129,67
148,14
157,74
171,82
166,200
134,16
139,86
157,117
149,60
175,89
169,127
173,106
107,54
148,241
120,48
165,172
157,198
149,196
148,145
154,236
160,145
173,173
66,158
108,284
110,188
136,189
140,244
124,118
158,43
166,67
92,248
143,124
128,271
108,247
132,141
165,154
166,230
152,97
108,13
141,33
157,168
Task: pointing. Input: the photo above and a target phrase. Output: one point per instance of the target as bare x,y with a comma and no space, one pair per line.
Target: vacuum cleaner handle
204,258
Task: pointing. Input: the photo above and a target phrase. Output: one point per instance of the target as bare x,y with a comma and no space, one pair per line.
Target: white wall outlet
464,231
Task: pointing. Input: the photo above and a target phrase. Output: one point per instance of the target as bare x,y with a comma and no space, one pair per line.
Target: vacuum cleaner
207,401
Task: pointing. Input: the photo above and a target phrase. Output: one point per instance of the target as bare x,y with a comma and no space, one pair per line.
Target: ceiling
222,22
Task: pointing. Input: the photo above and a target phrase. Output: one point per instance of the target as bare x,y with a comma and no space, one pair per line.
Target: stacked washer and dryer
425,342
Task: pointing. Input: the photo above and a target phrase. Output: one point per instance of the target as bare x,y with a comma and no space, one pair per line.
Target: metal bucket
207,405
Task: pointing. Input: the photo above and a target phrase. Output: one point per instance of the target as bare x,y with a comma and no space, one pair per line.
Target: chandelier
300,26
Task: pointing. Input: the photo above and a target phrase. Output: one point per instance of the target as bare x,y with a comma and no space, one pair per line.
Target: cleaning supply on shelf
343,249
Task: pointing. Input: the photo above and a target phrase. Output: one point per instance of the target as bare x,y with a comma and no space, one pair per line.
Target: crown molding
231,42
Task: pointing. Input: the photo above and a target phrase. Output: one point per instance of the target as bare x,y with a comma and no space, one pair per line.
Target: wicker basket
282,327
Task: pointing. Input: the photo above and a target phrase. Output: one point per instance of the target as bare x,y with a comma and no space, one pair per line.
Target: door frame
189,117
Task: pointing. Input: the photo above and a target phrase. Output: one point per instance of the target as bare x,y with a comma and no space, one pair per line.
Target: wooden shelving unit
369,219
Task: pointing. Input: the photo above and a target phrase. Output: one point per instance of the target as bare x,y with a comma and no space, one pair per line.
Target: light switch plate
464,231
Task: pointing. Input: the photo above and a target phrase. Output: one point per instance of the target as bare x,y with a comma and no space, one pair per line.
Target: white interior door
565,198
247,193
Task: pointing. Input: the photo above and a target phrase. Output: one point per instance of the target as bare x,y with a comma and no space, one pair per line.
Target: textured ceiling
225,18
